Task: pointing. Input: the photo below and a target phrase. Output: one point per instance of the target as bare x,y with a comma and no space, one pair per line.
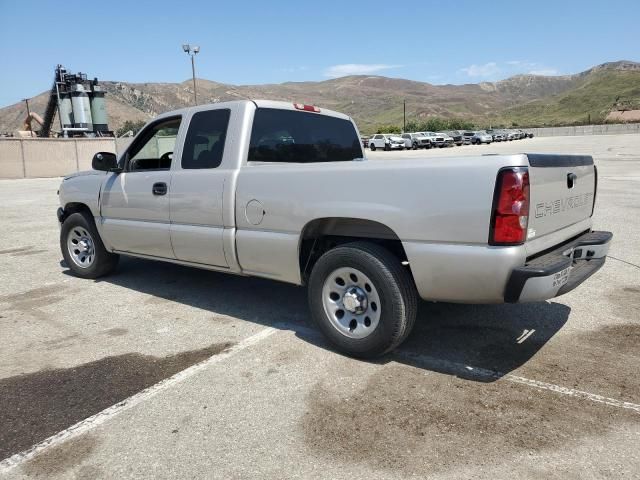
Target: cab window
204,145
301,137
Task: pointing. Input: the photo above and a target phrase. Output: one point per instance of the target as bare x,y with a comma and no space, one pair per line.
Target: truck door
135,203
197,187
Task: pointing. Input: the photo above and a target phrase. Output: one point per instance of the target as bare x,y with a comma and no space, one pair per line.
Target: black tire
387,147
395,287
103,263
373,147
414,146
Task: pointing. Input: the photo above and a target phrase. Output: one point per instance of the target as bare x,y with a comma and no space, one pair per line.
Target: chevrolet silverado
284,191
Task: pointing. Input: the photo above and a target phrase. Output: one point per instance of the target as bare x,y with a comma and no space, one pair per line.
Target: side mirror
105,161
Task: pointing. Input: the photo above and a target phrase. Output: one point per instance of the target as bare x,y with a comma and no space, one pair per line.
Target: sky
246,42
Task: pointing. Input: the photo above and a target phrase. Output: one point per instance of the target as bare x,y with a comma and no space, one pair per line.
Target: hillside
527,100
591,99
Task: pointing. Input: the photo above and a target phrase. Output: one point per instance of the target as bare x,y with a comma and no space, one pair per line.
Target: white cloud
493,70
490,69
356,69
545,71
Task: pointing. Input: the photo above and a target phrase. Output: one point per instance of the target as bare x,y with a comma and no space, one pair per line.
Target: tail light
510,216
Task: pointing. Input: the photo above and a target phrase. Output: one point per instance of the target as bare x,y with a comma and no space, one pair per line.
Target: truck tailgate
562,192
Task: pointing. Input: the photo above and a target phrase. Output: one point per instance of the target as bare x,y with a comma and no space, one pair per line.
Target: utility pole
404,115
26,100
192,52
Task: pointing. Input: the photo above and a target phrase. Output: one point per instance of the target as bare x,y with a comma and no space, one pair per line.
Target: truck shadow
475,342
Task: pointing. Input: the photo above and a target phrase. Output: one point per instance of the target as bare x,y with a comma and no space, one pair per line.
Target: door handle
159,188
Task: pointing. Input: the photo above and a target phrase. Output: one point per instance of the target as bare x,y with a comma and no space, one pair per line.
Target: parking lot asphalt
160,371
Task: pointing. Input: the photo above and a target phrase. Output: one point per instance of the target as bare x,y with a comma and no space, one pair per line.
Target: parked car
511,135
481,136
448,139
467,137
386,141
415,141
368,239
457,136
496,135
436,139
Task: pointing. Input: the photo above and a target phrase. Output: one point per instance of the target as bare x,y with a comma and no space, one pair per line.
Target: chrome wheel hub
351,302
355,300
81,247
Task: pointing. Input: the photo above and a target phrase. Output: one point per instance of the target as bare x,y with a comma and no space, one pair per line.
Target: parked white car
386,142
481,136
415,141
448,139
437,140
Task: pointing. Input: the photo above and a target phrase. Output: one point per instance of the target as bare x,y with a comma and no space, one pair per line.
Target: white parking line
436,364
467,371
483,373
110,412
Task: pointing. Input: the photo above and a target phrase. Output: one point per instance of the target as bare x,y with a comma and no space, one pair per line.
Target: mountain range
524,100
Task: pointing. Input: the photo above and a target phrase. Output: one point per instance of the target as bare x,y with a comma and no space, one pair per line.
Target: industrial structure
79,103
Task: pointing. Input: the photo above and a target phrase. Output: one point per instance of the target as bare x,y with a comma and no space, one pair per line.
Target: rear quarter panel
424,201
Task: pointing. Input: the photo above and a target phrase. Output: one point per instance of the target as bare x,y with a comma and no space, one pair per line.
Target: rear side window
204,145
301,137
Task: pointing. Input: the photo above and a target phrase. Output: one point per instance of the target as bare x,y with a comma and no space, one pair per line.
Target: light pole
192,52
404,116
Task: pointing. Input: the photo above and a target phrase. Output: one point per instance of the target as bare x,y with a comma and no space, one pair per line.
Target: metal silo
81,108
66,110
98,109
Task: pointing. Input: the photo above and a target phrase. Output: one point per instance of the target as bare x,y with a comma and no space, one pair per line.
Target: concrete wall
609,129
52,157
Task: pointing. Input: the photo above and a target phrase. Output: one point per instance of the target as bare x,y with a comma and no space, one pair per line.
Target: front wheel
373,147
362,299
82,247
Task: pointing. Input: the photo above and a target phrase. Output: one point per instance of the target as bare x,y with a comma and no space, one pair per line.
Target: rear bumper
558,271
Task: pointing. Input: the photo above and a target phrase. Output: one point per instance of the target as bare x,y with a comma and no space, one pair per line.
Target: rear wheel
362,299
82,248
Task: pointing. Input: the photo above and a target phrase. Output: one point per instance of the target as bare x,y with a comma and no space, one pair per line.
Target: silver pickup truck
283,191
